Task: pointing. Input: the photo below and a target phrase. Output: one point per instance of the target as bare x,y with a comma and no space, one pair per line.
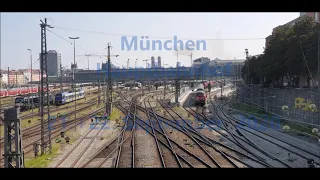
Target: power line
68,41
158,37
76,45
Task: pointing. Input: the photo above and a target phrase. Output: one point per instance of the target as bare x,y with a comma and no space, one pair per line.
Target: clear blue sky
20,31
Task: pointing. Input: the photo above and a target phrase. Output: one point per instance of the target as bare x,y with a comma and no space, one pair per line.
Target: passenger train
67,97
206,83
200,98
133,85
29,102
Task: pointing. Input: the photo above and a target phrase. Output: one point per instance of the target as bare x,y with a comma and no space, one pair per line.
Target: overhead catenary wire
92,53
158,37
69,41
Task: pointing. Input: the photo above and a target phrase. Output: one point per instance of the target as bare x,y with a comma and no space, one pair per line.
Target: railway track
35,128
126,150
28,147
113,153
32,134
294,150
72,158
184,157
247,146
236,128
153,128
218,157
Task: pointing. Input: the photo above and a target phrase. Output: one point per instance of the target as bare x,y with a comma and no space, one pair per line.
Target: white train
67,97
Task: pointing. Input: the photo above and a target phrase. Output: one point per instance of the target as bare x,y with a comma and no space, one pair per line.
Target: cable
76,45
68,41
130,35
306,63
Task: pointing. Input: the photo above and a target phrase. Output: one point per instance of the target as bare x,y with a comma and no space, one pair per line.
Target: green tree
292,53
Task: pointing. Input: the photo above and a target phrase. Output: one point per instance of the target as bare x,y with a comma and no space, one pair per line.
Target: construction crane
95,55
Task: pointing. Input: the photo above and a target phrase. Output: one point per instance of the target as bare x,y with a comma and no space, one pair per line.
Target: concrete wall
298,101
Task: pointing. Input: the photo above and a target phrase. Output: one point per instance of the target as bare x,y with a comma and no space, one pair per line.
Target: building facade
153,62
4,77
54,61
19,77
159,61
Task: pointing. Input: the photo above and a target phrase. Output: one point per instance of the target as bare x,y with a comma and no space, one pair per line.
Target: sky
226,36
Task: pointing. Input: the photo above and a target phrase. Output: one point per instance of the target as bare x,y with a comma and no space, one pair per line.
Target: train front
59,99
19,102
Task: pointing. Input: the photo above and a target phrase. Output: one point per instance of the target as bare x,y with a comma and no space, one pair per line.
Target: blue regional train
66,97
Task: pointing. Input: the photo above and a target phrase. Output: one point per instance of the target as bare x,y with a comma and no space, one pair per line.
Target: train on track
22,91
200,98
206,83
67,97
18,91
29,102
132,85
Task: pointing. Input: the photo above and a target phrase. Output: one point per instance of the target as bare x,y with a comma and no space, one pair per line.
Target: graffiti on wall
304,104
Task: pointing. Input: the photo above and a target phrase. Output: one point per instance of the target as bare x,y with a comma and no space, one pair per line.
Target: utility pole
44,98
16,79
61,88
135,64
247,57
191,66
8,79
0,143
31,79
13,152
39,93
165,80
177,85
127,71
74,79
248,76
105,90
146,60
88,57
99,92
318,77
109,105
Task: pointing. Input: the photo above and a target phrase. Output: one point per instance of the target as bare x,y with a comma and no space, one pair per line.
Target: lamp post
74,79
135,64
165,81
31,79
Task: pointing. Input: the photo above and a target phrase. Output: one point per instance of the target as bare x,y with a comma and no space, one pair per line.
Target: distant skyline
21,31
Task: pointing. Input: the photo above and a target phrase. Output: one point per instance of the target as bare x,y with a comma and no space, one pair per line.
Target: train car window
35,100
199,94
18,100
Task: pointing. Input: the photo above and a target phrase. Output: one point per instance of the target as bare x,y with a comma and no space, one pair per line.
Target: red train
205,83
18,91
200,98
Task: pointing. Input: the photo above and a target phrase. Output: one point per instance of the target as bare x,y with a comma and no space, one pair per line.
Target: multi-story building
315,15
16,78
54,61
159,61
4,77
153,62
27,74
19,77
200,61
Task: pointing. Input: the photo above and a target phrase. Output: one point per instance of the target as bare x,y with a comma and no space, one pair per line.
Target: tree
291,53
